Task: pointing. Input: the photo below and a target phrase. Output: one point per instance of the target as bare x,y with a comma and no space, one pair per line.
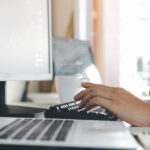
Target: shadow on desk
19,111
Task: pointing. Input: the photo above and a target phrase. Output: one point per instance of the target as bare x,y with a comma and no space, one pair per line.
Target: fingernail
75,97
83,83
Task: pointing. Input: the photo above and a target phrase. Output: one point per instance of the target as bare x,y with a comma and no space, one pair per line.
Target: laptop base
11,147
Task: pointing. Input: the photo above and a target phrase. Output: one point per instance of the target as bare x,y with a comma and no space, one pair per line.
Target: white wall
109,47
111,39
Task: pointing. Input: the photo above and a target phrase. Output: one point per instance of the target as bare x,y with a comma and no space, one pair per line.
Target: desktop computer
25,46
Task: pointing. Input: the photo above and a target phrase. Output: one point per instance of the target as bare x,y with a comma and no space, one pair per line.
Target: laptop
64,133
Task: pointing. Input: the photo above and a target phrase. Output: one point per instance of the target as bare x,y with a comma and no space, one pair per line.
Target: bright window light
135,45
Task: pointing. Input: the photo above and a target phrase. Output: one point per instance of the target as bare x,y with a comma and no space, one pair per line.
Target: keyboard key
51,130
12,123
76,107
37,131
71,104
13,129
64,130
27,128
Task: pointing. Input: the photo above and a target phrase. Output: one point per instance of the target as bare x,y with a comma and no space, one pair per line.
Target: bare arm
117,100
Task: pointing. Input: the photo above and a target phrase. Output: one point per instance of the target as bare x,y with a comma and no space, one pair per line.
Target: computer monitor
25,40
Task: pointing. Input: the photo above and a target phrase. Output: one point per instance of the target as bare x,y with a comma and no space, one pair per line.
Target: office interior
119,40
118,32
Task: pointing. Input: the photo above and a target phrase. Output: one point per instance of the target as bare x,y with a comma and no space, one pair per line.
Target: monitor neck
2,93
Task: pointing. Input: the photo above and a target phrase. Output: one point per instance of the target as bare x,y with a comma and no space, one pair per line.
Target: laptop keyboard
8,132
51,130
26,129
63,131
33,129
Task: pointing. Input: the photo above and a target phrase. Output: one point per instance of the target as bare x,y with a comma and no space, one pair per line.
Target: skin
119,101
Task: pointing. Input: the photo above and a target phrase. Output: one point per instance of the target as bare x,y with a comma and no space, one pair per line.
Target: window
135,45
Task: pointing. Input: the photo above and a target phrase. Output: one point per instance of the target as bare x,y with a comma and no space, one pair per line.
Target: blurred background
119,32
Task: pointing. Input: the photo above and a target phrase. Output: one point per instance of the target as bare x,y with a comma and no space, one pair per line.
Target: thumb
87,84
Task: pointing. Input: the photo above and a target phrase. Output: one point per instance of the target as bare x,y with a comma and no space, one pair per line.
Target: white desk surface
40,100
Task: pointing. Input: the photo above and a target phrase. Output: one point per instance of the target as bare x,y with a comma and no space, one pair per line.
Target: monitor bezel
36,77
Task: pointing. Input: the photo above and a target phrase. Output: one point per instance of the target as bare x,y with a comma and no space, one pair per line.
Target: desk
38,103
142,135
39,100
45,100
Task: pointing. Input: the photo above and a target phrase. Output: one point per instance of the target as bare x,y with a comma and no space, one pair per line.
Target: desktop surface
19,111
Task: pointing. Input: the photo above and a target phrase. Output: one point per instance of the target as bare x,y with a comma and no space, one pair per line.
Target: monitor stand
14,111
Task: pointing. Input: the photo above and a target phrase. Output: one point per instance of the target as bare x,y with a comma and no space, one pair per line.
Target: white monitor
25,40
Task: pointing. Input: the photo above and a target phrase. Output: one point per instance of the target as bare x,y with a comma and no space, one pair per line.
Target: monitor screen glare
25,40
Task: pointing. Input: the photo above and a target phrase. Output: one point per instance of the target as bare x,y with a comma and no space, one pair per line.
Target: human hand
119,101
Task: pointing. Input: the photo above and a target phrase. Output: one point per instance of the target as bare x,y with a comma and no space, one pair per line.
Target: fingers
87,84
95,101
92,92
81,94
101,90
89,95
91,103
84,100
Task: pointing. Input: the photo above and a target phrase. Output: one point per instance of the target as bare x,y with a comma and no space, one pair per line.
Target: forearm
147,113
137,114
140,115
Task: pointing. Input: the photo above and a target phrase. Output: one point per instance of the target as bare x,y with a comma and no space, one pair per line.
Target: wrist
147,113
148,103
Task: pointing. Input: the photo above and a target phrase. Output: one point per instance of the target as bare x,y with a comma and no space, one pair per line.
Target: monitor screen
25,40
